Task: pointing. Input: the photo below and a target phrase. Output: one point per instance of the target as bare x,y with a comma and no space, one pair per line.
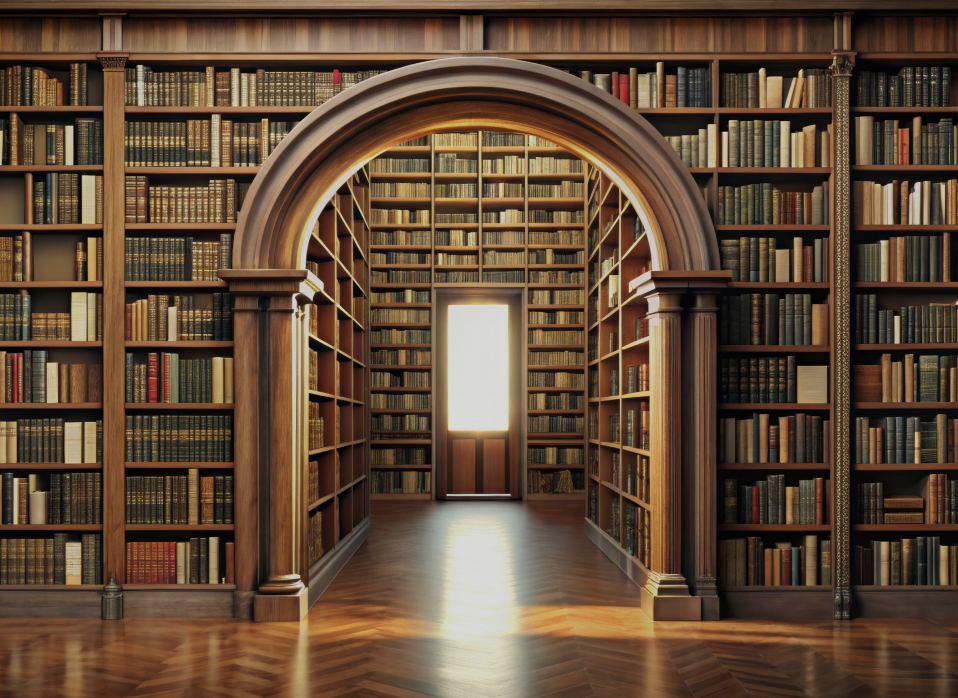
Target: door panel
473,462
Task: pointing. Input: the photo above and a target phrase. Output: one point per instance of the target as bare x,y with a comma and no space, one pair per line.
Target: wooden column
665,595
840,307
247,318
700,358
114,392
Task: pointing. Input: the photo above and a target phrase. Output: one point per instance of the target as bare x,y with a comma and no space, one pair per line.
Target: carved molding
841,303
112,64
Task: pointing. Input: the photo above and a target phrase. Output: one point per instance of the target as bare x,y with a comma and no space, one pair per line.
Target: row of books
163,318
556,336
316,427
29,377
400,165
218,142
556,297
218,202
31,86
934,323
80,143
395,401
550,256
811,88
776,379
407,379
555,379
196,561
179,499
400,482
887,143
51,440
393,336
399,456
637,539
688,87
401,357
554,455
404,190
498,257
933,378
767,204
401,276
909,258
555,424
68,498
401,315
179,438
314,536
555,481
176,259
902,203
900,439
165,378
634,479
400,422
555,358
637,378
212,88
556,277
798,438
408,295
57,560
400,258
916,561
771,501
16,257
63,198
747,562
912,86
760,259
871,506
761,143
83,323
507,164
773,319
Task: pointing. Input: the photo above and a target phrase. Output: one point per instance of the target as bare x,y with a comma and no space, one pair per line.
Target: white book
91,317
644,95
215,139
73,442
214,559
702,149
89,442
790,93
785,139
883,567
182,560
218,379
74,562
244,90
12,442
883,265
797,92
773,92
798,257
53,382
812,384
171,325
724,148
234,87
926,203
16,500
762,88
811,560
889,205
78,316
783,266
712,131
897,330
943,566
91,269
3,445
228,380
68,141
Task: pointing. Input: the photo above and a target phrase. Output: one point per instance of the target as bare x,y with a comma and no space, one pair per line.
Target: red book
15,376
819,511
336,78
229,564
144,568
171,563
756,517
129,563
624,88
786,567
129,322
167,370
152,371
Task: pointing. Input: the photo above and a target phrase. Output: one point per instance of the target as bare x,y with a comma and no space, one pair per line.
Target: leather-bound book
230,563
78,382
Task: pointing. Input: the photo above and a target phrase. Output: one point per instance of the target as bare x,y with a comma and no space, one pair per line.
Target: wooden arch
461,94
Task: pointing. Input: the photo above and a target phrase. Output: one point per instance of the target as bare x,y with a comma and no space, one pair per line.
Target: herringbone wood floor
475,599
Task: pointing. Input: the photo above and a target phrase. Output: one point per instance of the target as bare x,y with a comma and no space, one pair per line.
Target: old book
812,384
73,563
193,496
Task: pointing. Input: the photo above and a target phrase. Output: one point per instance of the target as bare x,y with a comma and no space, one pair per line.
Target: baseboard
632,568
813,604
905,602
322,574
280,608
56,603
178,604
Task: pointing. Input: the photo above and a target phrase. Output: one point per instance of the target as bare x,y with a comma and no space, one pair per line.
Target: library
512,352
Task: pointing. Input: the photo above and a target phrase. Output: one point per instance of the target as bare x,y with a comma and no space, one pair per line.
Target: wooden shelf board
906,347
918,528
54,587
173,406
51,466
399,442
773,349
640,451
407,466
905,405
50,227
818,588
321,501
554,390
178,587
545,497
180,344
49,343
790,228
180,170
400,496
51,527
179,527
377,389
553,466
779,285
66,285
181,466
759,406
223,227
51,406
774,466
777,528
176,284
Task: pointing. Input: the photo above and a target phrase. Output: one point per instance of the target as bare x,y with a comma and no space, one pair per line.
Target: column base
710,608
280,608
671,607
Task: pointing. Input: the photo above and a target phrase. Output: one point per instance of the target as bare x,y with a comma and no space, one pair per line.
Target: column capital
113,61
298,283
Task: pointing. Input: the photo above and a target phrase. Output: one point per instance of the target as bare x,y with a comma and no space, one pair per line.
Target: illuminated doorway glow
478,367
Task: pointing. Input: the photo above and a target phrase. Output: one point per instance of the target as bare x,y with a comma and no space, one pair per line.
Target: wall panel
54,34
905,34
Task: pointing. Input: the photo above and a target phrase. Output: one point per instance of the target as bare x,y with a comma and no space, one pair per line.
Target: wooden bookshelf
487,244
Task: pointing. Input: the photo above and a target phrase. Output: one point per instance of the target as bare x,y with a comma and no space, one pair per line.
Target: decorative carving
842,65
841,247
113,63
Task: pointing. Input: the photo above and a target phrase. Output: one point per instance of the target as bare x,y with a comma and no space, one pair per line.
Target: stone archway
315,159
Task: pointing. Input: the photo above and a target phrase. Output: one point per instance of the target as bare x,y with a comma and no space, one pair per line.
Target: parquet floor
475,599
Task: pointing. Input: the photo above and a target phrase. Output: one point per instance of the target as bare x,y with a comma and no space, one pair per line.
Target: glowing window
478,367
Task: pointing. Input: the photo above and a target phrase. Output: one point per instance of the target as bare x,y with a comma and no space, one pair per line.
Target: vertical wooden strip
114,433
463,466
494,466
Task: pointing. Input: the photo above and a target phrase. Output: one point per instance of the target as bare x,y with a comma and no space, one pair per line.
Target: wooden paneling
494,466
896,33
660,34
197,35
463,466
53,34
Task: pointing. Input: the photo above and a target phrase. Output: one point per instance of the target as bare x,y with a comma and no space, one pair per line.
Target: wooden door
484,461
